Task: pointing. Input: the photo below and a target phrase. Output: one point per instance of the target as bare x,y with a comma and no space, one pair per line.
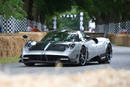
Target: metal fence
122,27
13,25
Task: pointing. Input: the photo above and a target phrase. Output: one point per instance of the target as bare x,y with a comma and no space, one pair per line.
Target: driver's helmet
56,38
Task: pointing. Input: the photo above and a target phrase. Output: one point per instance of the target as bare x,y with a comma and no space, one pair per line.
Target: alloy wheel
82,58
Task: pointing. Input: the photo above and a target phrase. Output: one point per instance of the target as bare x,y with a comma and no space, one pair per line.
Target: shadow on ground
64,65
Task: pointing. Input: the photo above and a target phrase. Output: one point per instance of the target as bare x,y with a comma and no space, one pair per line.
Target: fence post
81,21
54,24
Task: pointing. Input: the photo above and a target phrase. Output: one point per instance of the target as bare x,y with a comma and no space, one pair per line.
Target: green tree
69,23
41,10
106,11
28,7
12,8
72,23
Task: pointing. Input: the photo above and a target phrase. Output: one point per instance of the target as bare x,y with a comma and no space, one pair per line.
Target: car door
100,47
91,45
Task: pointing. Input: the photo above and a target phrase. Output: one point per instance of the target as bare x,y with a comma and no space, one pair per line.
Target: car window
72,37
85,36
61,36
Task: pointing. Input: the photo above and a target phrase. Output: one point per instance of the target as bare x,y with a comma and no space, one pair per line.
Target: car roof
71,32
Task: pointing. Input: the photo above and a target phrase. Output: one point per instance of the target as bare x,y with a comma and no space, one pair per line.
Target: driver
56,38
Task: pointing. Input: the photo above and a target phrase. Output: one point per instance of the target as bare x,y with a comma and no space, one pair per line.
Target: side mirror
77,39
25,36
95,40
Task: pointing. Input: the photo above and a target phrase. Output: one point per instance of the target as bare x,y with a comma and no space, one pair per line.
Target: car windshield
59,36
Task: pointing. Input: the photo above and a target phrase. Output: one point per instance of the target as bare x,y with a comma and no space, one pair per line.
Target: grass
9,60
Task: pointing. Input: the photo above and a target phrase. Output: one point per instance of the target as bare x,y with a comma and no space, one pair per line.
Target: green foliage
49,22
106,10
47,9
12,8
72,23
103,10
51,7
68,23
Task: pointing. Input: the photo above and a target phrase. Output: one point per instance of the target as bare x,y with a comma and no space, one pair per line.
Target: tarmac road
120,60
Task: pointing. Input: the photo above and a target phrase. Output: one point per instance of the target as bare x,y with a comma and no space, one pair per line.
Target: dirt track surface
120,60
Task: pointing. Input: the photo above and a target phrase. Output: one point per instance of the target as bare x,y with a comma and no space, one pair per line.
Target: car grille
54,58
36,57
48,58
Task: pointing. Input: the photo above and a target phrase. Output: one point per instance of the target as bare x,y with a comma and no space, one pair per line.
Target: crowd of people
30,28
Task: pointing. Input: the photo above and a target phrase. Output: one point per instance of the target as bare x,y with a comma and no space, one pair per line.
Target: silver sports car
67,47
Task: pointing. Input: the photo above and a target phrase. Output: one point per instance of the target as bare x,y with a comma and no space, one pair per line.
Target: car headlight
33,43
71,46
30,43
25,57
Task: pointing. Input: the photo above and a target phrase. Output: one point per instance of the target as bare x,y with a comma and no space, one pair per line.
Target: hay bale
128,39
111,37
37,36
11,44
94,35
121,39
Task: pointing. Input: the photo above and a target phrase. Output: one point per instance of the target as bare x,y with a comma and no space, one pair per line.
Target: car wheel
108,55
29,64
83,56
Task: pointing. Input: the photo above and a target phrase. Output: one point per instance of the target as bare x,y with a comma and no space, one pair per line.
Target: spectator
123,30
29,28
35,29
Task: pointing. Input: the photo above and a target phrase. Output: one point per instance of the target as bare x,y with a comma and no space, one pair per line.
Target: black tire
108,56
29,64
83,56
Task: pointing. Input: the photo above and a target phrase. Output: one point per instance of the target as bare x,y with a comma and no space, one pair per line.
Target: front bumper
68,56
46,59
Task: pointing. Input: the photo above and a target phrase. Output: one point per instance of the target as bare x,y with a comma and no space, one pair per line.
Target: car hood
50,45
39,46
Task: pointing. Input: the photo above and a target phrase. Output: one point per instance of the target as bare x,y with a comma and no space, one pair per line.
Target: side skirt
102,56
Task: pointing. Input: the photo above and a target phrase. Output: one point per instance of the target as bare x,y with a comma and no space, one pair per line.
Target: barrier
11,44
94,35
119,39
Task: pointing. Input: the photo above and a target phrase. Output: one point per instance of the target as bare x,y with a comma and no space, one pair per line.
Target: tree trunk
28,5
35,13
42,19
